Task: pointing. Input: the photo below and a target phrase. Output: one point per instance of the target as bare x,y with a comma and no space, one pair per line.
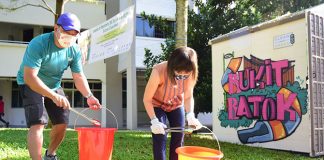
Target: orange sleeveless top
168,96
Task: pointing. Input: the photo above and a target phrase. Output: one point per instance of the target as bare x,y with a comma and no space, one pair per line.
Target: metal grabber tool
93,121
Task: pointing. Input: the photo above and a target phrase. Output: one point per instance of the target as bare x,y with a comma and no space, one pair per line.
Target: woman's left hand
193,122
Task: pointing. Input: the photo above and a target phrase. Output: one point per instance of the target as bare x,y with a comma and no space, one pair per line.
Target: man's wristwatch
89,95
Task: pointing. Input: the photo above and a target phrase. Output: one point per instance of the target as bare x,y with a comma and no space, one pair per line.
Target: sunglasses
181,76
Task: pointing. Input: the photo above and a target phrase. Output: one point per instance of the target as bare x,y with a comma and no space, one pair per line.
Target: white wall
318,10
205,119
11,55
164,8
154,44
90,14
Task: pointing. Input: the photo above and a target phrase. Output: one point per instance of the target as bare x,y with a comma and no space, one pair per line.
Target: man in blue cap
39,77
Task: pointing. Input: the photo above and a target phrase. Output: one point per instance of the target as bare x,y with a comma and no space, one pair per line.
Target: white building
271,108
106,77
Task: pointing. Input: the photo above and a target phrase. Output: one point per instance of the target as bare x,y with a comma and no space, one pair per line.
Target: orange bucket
198,153
95,143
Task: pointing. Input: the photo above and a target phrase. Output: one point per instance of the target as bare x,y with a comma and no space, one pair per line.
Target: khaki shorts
35,105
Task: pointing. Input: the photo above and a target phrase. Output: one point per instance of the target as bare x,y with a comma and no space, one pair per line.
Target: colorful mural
265,92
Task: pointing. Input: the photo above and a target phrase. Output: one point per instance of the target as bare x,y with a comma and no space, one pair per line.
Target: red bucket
95,143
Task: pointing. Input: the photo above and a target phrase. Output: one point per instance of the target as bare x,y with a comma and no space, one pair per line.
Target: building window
16,101
124,91
75,97
28,35
47,30
144,29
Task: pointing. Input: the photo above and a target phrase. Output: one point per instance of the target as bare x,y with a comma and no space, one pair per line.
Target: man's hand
61,101
93,103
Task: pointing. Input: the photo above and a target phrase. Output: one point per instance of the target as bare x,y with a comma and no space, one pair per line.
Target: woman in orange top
168,95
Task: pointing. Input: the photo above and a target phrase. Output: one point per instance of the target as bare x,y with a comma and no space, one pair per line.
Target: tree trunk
59,9
181,22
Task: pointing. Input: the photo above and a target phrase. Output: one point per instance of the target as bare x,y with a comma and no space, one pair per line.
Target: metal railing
15,42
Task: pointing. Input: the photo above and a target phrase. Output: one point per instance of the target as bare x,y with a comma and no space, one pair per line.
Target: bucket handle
214,135
189,130
100,108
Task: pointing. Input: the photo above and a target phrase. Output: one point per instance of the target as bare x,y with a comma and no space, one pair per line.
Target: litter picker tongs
185,130
93,121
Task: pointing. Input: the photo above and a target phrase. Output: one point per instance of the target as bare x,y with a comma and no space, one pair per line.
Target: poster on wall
263,97
113,37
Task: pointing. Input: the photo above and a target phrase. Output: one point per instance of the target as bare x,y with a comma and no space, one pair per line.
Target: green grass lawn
136,145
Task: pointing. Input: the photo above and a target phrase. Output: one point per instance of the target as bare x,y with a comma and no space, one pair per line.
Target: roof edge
258,27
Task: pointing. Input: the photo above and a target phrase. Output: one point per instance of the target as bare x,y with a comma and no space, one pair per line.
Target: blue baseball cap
69,21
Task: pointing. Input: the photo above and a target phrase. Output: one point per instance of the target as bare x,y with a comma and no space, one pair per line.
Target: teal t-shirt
51,61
